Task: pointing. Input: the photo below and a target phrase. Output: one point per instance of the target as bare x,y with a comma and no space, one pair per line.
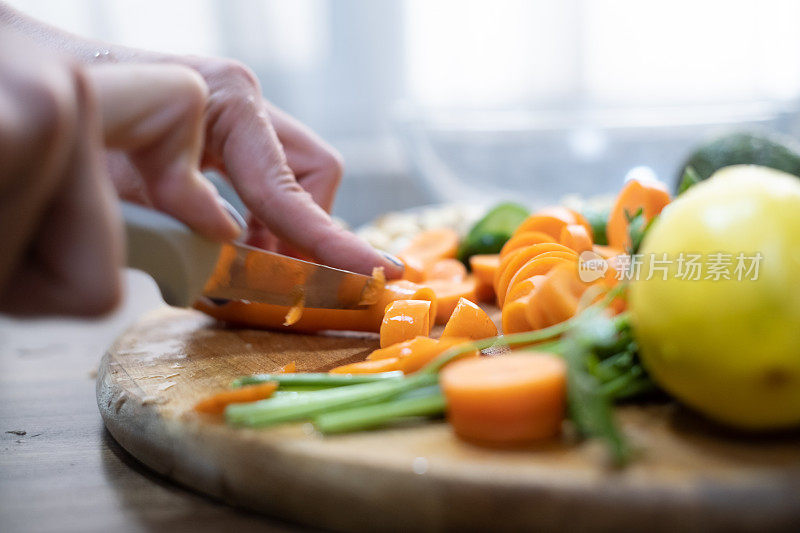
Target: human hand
285,174
59,225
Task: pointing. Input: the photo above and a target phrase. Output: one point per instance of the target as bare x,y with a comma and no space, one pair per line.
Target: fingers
316,165
258,168
155,113
72,259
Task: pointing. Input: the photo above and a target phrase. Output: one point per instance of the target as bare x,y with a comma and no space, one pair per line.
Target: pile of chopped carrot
535,280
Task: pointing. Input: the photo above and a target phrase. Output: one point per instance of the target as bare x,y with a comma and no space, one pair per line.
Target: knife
186,266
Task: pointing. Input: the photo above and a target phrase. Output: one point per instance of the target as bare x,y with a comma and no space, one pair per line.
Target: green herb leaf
689,179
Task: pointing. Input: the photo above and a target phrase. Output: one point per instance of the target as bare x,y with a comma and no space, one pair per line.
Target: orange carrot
448,294
216,404
556,298
272,316
402,349
289,368
650,196
368,367
539,265
506,400
513,261
404,320
548,224
484,266
420,355
523,239
514,316
576,237
606,252
469,321
425,249
446,270
570,216
522,288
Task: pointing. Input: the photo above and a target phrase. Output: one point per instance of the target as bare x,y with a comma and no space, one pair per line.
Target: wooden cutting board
688,476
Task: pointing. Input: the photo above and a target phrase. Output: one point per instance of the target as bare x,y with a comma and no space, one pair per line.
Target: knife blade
186,266
246,273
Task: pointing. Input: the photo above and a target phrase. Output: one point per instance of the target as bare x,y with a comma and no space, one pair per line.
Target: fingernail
392,258
232,213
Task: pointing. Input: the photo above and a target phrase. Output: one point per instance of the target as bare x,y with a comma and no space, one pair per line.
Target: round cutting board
688,475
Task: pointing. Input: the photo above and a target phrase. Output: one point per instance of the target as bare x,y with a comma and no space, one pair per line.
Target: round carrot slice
506,400
521,240
555,299
469,321
548,224
576,237
404,320
484,266
514,261
514,317
431,245
539,265
446,270
570,216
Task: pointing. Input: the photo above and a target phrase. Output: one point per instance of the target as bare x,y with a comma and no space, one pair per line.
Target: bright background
471,100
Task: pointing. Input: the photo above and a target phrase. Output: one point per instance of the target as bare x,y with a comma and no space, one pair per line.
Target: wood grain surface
66,473
688,476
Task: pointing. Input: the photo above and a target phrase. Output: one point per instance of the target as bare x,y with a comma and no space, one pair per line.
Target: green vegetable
303,406
597,216
689,179
490,233
427,401
313,380
741,149
638,226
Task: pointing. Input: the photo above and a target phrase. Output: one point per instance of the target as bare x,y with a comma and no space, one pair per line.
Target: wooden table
66,473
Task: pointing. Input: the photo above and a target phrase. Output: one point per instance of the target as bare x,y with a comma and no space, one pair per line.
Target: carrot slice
570,216
272,316
576,237
606,252
404,320
514,261
370,366
289,368
650,196
547,224
539,265
523,239
506,400
484,266
556,298
413,269
446,270
514,316
426,248
216,404
522,288
402,349
448,293
422,354
469,321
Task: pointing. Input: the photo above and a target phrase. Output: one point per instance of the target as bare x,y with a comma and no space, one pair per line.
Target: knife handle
179,260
